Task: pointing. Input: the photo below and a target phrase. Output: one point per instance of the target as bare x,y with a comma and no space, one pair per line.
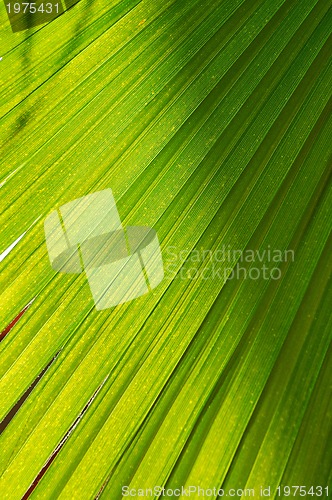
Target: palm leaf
210,121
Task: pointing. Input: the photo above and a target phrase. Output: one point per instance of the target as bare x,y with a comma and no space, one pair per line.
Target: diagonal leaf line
9,417
211,124
62,442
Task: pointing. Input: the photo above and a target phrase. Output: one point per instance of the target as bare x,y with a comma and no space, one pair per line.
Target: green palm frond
211,123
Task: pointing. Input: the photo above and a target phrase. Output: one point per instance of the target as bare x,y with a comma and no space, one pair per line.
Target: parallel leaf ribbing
211,122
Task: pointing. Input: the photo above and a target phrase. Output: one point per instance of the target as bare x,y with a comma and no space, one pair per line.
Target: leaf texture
211,122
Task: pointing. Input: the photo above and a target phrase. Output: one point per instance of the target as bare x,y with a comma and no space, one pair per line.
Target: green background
210,121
